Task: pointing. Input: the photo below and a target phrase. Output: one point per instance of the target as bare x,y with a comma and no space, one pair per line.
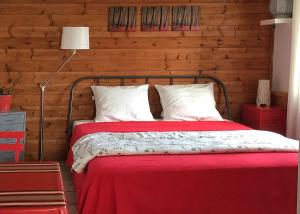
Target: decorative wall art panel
185,18
122,19
155,18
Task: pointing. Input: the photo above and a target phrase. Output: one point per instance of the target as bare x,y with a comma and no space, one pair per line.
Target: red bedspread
248,183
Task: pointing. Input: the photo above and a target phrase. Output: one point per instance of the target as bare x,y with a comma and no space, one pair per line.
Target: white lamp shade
75,38
263,93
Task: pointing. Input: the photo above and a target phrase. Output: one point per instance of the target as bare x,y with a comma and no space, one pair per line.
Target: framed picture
122,19
185,18
155,18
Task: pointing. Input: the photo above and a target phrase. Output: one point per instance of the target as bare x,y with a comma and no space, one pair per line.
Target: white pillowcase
188,102
122,103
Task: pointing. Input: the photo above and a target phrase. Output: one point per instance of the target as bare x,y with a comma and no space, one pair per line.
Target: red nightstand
271,118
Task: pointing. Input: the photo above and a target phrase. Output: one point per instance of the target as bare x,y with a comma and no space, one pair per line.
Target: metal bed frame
122,78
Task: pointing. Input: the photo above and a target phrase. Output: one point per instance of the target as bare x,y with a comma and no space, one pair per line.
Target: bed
245,180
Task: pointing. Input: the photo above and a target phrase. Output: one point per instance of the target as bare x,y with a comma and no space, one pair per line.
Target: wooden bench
31,188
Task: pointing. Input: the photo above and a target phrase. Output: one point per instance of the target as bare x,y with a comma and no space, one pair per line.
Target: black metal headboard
146,78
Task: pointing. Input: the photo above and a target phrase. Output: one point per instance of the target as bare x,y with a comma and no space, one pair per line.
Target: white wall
282,57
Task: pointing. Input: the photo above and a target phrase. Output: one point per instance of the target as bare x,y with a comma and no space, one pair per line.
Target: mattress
79,122
264,182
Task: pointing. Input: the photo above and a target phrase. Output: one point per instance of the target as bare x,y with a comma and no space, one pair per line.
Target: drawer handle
9,120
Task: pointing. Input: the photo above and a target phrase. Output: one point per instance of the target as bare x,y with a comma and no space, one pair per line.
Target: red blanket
250,183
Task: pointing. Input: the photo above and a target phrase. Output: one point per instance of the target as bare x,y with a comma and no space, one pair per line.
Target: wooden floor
69,189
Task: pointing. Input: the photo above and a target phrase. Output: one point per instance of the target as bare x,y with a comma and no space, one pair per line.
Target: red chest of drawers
271,118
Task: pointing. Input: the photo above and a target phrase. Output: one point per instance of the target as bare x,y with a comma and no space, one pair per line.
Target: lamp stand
43,87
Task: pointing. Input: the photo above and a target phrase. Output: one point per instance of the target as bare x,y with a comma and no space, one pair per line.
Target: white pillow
188,102
122,103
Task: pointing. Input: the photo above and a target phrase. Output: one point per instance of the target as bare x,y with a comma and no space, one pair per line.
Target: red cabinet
271,118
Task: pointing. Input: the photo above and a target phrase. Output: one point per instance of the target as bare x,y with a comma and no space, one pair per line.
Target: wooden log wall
230,45
279,99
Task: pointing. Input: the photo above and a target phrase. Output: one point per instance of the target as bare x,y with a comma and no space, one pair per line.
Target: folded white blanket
193,142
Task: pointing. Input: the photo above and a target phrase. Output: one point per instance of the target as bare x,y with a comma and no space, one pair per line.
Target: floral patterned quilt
191,142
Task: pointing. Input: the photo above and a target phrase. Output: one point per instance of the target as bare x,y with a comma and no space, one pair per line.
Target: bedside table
12,122
271,118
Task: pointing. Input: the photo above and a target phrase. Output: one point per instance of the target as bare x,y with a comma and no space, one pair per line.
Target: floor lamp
73,38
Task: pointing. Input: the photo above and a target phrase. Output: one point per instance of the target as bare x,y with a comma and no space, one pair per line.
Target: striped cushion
31,184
